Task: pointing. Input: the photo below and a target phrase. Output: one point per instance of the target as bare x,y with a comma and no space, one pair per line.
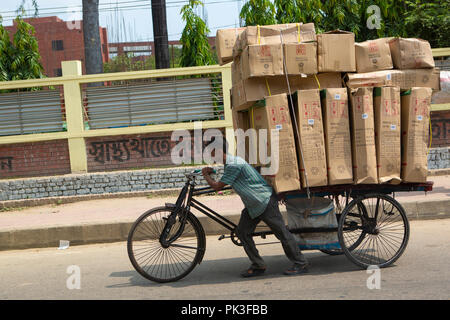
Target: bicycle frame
186,201
182,207
176,218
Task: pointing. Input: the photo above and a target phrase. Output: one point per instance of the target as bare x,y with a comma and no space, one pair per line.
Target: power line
114,6
100,4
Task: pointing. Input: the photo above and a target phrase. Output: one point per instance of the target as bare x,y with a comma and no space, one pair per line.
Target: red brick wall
130,151
440,124
34,159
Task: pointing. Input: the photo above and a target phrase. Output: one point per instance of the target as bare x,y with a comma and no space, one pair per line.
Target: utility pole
161,39
92,45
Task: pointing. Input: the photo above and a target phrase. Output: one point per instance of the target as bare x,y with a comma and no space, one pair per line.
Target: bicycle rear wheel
165,263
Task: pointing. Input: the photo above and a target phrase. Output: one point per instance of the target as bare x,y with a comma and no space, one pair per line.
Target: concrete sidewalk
108,220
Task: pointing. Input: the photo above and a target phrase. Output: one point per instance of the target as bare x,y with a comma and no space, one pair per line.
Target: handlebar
197,172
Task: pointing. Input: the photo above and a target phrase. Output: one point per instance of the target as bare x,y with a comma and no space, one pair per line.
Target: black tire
340,202
160,264
380,239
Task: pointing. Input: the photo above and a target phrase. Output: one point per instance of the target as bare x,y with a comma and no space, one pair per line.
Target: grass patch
9,209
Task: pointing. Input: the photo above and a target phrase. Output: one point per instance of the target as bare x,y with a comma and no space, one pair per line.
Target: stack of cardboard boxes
290,81
399,95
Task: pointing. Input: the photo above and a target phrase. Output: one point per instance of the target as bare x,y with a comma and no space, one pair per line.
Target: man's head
218,144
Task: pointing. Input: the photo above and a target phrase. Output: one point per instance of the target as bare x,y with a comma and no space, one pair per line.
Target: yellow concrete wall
71,81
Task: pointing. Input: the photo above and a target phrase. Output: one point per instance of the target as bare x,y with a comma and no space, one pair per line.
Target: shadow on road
228,270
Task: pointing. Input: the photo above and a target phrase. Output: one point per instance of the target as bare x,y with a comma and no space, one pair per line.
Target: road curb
439,172
172,192
114,232
71,199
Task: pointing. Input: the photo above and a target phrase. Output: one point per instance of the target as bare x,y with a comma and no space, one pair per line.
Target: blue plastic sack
313,213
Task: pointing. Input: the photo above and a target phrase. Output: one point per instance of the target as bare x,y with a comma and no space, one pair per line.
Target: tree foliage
258,12
428,20
196,50
19,58
21,8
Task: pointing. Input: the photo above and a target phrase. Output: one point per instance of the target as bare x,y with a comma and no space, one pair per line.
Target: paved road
106,273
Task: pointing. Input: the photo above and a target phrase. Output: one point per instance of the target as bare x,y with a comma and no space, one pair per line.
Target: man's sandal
252,272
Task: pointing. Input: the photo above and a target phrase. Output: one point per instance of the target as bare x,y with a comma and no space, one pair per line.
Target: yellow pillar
229,130
74,117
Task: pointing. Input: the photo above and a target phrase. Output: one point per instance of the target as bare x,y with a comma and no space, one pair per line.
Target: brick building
145,48
59,41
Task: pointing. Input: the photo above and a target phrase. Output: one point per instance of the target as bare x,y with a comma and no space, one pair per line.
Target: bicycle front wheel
165,263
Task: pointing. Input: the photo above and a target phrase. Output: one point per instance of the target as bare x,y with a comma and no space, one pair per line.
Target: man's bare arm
216,185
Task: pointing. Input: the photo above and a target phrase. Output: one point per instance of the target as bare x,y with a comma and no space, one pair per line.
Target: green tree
371,19
21,8
293,11
429,20
196,50
20,59
6,52
287,11
341,14
26,57
258,12
391,22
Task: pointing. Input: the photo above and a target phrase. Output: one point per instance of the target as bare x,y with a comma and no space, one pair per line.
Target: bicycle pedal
222,237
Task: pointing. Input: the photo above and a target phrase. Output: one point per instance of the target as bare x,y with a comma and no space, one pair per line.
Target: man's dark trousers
272,217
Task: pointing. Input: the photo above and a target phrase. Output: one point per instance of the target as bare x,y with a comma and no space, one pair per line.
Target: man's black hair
224,141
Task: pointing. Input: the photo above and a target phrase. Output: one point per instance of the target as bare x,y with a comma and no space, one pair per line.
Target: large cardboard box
410,53
236,71
241,120
416,104
364,156
300,58
387,133
337,135
274,115
225,39
262,60
310,143
336,51
274,34
373,55
248,91
405,79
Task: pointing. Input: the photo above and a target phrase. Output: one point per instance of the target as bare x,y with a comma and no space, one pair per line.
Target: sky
131,20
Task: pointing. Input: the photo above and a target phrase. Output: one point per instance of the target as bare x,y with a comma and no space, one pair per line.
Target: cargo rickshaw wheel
373,230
